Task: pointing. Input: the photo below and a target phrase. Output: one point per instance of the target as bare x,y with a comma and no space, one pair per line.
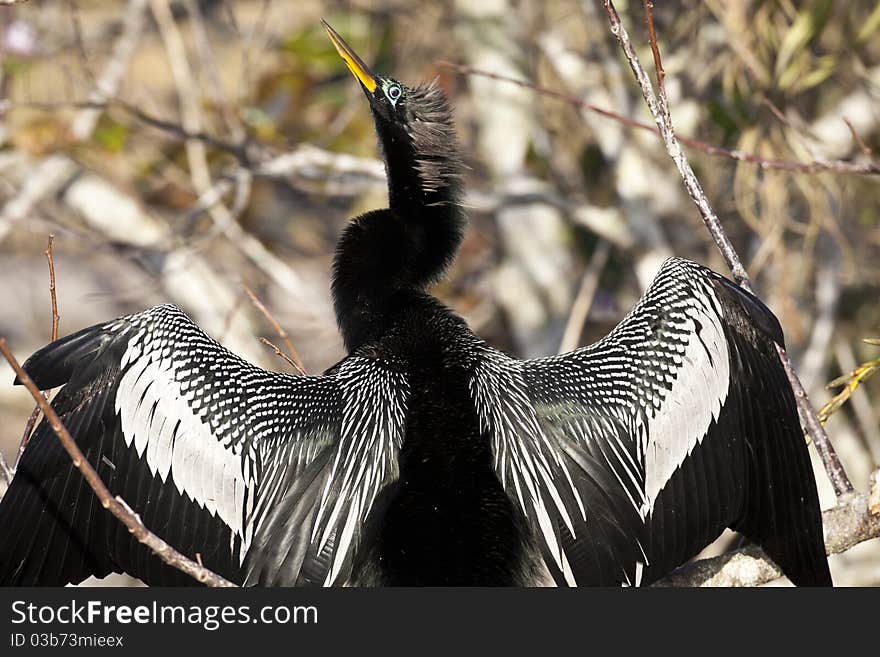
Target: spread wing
632,454
206,448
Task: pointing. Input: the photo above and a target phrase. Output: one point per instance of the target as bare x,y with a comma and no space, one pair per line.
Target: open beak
355,63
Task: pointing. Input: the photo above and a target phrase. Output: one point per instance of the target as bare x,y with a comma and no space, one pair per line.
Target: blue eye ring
393,93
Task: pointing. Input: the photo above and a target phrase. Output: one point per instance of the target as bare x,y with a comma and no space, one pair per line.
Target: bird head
384,93
415,129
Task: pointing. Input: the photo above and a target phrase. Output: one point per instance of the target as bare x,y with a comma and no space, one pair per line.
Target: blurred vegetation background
181,150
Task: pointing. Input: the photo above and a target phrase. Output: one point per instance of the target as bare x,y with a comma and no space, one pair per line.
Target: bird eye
393,93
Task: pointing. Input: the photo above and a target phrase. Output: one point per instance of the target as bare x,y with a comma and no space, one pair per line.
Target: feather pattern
650,405
167,408
432,131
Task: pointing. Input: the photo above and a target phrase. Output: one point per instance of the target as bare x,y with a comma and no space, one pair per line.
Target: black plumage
425,456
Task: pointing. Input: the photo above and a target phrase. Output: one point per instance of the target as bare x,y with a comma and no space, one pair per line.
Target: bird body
425,456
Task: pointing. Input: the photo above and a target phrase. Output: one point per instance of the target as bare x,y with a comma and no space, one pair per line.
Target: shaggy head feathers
431,129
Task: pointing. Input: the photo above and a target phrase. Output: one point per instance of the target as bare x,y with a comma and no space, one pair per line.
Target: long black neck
421,184
387,259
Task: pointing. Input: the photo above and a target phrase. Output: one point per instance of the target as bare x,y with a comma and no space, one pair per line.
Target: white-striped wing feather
631,408
208,445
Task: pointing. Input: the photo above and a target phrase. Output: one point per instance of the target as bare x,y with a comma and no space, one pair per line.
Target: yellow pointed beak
355,64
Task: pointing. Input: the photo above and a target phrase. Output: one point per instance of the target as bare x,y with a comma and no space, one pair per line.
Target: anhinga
425,456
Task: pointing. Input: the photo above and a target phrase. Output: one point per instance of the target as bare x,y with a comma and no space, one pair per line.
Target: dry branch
584,299
32,420
660,111
292,356
870,168
282,355
190,113
52,289
116,505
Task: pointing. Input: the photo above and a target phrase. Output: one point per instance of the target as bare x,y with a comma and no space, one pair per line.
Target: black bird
425,456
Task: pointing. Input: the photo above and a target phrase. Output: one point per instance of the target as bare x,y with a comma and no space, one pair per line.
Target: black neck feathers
387,257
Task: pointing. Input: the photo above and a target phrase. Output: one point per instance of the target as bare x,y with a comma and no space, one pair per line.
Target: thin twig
584,299
233,309
26,434
116,505
652,38
660,111
52,296
32,420
240,152
209,64
855,135
815,431
280,353
293,357
815,166
190,114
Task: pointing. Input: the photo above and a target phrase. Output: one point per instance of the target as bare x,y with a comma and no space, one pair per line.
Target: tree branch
869,168
32,420
584,299
659,109
292,357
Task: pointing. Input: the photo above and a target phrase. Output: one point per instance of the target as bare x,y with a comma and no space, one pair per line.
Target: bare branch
116,505
858,140
186,91
652,38
51,262
281,354
660,111
871,168
293,358
584,299
32,420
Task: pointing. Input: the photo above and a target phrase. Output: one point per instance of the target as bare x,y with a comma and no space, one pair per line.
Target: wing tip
54,364
760,316
744,304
